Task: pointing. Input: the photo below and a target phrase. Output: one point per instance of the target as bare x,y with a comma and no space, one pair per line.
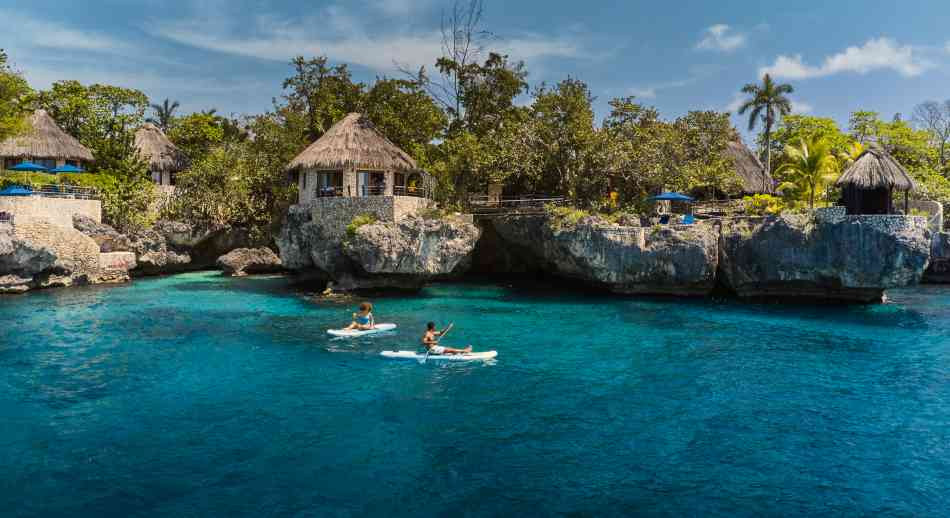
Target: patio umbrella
66,169
671,196
28,166
16,190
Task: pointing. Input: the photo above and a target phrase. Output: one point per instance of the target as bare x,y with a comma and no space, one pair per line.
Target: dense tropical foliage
474,122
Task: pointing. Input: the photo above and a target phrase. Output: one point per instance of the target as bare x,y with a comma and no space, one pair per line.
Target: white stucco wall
58,211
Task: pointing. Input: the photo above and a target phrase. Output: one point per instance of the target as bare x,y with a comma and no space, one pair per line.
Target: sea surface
198,395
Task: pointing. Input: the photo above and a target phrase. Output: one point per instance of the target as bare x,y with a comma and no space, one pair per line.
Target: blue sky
232,55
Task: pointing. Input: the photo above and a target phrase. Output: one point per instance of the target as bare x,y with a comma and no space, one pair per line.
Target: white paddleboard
413,355
352,333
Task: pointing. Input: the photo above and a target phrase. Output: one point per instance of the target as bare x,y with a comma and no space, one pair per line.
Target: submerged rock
153,256
854,258
245,261
669,260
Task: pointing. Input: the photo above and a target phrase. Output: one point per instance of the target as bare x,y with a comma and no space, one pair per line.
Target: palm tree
852,154
811,165
164,114
769,102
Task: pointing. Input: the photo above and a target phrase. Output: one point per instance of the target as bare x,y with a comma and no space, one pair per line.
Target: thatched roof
876,169
354,142
44,140
755,179
162,155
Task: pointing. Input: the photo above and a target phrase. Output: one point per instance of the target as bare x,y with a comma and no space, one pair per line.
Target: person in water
363,320
431,341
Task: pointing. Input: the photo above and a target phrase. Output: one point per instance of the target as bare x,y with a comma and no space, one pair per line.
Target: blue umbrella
66,169
672,196
28,166
16,190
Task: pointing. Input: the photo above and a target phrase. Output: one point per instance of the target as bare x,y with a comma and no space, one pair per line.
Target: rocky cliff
668,260
939,270
42,255
377,255
851,258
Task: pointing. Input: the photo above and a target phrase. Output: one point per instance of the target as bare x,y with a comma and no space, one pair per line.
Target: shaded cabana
752,174
164,159
353,158
45,144
868,185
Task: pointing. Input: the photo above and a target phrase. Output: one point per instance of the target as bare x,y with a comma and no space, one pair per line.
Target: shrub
763,204
359,221
565,216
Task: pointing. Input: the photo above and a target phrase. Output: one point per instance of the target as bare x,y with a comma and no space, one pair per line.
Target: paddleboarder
431,341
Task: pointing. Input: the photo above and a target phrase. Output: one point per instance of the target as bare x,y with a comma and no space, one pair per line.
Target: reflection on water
200,395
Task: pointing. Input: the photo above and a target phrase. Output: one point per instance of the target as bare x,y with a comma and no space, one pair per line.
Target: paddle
428,349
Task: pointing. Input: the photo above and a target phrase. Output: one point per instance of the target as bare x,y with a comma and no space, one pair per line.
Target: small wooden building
355,159
165,160
45,144
868,185
752,174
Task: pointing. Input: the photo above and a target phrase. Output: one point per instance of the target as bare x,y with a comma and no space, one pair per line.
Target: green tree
322,94
196,134
810,167
768,103
405,113
164,114
706,136
793,128
13,90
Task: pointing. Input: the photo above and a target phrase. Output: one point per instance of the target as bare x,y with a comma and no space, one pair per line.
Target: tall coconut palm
164,114
811,166
768,102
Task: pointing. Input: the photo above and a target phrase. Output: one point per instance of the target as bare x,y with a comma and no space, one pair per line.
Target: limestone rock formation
851,259
413,246
42,255
245,261
679,260
108,238
400,255
939,270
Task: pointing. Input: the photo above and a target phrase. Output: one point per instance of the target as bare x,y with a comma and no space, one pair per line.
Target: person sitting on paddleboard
364,319
431,341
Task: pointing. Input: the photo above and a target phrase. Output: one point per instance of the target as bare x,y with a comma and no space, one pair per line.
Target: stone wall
404,206
336,213
934,212
58,211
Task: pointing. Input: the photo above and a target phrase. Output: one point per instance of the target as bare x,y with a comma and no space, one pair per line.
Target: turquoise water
198,395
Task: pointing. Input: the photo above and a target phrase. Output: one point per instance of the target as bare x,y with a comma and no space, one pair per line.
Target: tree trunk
768,150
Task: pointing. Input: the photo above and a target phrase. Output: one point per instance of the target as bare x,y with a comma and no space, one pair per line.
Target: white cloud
399,7
650,92
51,35
644,93
875,54
344,38
801,107
721,38
735,104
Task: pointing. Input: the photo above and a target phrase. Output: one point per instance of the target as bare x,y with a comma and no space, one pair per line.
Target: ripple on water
201,395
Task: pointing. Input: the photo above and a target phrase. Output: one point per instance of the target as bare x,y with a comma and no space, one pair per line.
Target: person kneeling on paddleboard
431,341
364,319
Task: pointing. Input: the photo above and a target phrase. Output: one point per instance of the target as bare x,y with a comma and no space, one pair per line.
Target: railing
373,190
401,190
328,191
66,191
485,205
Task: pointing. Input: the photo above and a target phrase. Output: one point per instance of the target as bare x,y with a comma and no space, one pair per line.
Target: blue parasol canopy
28,166
16,190
672,196
66,169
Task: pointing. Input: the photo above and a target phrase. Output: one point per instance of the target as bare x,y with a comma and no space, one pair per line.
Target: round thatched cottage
164,159
868,185
355,159
45,144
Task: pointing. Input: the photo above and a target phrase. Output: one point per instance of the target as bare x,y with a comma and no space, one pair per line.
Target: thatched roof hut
162,156
755,179
869,183
45,141
354,143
